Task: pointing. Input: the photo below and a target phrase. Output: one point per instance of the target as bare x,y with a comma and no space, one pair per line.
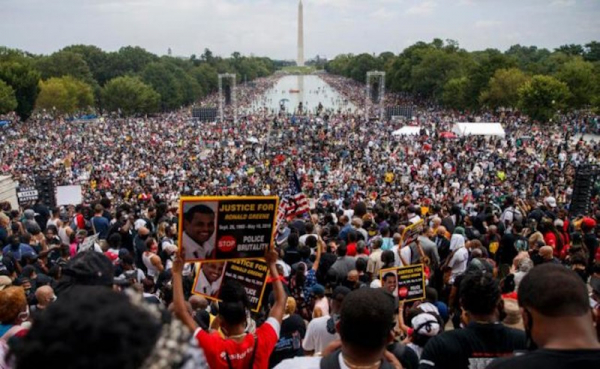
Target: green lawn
298,70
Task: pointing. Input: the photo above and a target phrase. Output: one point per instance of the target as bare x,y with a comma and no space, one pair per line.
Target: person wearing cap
321,331
558,320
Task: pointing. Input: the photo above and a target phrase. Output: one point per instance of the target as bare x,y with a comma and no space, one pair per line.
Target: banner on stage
226,228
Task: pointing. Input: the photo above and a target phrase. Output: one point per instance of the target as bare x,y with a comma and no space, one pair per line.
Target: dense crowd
509,268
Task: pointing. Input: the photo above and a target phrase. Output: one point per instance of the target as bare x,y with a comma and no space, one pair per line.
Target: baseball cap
588,222
317,289
5,281
550,201
426,324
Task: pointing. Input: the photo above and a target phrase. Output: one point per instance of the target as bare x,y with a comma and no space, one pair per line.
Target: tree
163,80
503,88
95,58
571,50
8,100
23,79
542,97
64,63
65,95
486,64
455,93
579,77
592,51
437,67
130,95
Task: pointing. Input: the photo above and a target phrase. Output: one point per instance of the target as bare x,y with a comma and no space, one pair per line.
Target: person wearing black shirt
558,319
291,334
484,336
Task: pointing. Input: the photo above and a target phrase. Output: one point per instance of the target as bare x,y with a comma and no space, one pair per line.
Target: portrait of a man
198,233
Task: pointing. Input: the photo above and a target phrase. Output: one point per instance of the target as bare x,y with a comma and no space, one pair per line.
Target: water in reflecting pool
310,90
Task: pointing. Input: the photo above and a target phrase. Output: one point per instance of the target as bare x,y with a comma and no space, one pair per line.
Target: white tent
407,131
478,129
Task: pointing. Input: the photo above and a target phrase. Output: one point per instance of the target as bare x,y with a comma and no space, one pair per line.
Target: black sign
251,274
27,195
410,280
226,228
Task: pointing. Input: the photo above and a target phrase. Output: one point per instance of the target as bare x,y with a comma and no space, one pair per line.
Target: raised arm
320,248
280,297
178,299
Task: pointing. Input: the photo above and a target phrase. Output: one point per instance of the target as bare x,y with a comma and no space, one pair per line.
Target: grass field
298,70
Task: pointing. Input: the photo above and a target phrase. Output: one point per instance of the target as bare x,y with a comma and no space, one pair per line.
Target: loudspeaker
205,114
375,92
399,111
227,90
585,177
46,190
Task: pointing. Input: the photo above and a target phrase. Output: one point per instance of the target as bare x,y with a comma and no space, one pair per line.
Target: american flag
294,202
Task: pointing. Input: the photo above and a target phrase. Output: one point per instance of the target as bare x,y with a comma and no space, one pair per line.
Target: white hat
375,283
550,201
139,224
426,324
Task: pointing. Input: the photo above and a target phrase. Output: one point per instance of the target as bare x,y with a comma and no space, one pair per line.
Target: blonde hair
290,306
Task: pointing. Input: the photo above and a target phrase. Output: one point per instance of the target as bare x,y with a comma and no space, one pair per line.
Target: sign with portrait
226,228
251,274
408,282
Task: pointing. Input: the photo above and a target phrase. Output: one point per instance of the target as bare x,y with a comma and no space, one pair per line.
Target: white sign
68,195
88,243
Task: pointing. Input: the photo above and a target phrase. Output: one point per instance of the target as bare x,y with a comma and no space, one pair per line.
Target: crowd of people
510,270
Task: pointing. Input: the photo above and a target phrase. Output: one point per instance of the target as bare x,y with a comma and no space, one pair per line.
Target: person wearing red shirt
237,349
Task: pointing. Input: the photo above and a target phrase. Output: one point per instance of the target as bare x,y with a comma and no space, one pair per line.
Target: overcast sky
269,27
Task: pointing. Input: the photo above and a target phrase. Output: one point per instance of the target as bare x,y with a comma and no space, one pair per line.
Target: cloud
422,8
484,24
563,3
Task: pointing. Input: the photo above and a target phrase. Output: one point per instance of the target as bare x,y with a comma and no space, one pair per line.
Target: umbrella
447,135
252,140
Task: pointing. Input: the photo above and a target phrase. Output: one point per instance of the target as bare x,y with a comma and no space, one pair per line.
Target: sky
269,27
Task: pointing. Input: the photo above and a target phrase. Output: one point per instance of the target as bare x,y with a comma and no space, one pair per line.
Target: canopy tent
478,129
407,131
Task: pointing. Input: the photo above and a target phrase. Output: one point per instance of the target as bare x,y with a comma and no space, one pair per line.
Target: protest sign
411,232
88,243
251,274
410,281
27,195
69,195
226,228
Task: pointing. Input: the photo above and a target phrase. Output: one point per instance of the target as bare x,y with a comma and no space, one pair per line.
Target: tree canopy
175,81
441,72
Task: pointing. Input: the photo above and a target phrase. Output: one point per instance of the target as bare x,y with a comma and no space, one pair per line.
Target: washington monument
300,61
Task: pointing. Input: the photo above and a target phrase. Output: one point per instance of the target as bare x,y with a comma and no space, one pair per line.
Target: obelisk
300,61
